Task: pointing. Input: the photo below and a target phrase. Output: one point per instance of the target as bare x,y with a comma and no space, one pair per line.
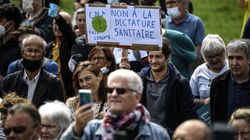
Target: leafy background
223,17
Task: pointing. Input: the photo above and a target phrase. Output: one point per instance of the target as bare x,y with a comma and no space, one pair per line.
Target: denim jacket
94,131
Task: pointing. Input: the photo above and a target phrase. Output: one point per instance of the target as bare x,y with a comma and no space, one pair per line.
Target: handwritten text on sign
126,26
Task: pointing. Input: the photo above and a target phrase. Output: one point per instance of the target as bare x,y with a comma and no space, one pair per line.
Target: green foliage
223,17
67,5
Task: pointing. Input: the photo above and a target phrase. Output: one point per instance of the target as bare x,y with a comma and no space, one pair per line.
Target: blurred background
223,17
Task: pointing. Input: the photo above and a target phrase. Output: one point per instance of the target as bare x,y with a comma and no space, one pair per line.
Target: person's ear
138,97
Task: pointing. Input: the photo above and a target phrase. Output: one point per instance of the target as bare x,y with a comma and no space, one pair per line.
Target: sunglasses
118,90
17,129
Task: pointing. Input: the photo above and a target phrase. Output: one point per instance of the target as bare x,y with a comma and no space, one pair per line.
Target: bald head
192,130
66,16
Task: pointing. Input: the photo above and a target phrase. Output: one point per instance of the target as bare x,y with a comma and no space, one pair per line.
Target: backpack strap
45,63
18,65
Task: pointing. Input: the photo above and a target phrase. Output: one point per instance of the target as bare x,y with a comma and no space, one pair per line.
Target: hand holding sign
124,64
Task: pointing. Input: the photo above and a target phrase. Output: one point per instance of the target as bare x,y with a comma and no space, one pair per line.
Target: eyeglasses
36,51
48,127
98,59
216,56
17,129
118,90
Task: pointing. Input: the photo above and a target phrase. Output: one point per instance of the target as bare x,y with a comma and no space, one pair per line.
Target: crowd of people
195,87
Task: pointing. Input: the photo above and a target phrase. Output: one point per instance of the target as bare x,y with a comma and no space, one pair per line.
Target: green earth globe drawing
99,24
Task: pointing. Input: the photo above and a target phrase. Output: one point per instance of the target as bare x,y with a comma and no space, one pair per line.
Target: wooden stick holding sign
124,64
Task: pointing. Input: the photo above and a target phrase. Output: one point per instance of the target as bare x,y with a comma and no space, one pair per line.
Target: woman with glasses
104,58
213,52
88,76
240,121
55,118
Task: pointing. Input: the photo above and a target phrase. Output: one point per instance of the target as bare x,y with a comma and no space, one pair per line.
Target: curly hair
9,100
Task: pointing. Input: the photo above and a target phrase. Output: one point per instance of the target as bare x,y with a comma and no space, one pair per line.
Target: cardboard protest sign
138,27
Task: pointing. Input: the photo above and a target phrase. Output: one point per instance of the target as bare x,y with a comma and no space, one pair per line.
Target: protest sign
138,27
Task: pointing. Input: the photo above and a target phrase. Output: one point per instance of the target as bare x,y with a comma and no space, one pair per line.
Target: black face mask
31,66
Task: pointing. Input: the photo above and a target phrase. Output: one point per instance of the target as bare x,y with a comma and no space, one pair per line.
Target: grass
223,17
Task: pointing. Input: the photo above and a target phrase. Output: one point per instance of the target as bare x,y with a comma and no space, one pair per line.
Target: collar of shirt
35,79
150,77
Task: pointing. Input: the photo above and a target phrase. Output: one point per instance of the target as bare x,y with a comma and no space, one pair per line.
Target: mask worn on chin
173,12
104,70
31,66
2,31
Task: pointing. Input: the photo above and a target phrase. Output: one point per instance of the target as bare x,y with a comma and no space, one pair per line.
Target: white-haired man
33,82
126,119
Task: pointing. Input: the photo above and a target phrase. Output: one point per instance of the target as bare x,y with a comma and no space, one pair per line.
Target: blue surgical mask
173,12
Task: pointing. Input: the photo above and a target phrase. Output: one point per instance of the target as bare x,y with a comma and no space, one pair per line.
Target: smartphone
85,96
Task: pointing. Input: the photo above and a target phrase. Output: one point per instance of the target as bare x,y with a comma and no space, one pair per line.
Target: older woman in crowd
240,121
56,117
88,76
213,51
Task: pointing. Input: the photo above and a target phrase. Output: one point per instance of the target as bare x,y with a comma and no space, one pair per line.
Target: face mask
2,31
27,5
31,66
173,12
104,70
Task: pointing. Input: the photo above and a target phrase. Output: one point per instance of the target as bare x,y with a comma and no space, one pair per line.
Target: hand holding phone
85,96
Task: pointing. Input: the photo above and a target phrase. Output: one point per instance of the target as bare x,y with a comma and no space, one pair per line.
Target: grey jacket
94,131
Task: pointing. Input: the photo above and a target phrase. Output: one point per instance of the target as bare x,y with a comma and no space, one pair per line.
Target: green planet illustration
99,24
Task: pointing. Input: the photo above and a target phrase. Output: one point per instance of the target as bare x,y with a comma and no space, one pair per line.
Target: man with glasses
22,123
127,119
231,90
33,82
166,94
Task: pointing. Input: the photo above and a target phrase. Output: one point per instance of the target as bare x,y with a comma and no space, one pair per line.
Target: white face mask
27,5
2,31
104,70
174,12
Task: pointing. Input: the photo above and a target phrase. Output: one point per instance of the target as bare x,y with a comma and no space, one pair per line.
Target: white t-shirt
201,79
